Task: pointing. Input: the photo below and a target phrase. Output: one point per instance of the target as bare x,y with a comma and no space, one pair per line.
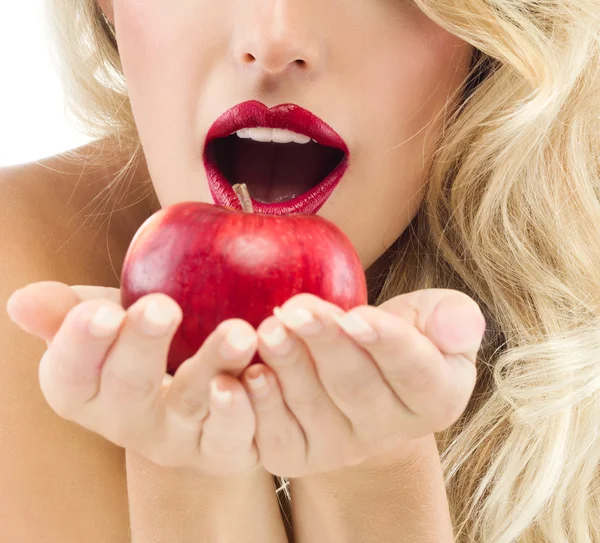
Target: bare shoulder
71,212
59,482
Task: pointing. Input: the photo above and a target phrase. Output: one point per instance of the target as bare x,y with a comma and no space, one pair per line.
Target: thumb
40,308
449,318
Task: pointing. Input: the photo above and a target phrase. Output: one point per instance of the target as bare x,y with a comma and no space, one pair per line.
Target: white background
32,120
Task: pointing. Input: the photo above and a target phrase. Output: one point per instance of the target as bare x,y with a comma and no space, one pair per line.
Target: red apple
218,263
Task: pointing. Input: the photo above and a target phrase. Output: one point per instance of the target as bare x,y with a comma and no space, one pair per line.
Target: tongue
276,172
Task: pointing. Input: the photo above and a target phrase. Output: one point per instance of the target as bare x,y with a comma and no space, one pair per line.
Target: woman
471,134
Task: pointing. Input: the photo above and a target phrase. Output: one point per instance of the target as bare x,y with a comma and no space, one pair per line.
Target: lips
254,114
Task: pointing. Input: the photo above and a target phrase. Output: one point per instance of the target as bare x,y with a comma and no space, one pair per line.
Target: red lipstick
254,114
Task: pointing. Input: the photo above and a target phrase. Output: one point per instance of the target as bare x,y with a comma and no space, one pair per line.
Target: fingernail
237,342
258,384
458,325
106,321
223,398
355,326
276,340
299,319
157,318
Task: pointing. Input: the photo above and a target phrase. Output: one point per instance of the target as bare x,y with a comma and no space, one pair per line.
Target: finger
229,349
302,390
228,431
70,370
422,378
40,308
349,375
449,318
279,437
134,369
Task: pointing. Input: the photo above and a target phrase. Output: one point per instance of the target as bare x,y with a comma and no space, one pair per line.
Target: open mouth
274,172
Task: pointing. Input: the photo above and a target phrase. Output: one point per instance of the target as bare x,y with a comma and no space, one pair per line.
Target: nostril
275,63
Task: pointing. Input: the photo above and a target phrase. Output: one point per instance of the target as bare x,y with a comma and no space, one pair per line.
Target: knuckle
357,388
82,375
295,359
274,443
311,405
416,376
127,388
192,405
331,333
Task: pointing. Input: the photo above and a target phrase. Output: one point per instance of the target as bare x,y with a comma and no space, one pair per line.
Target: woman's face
375,71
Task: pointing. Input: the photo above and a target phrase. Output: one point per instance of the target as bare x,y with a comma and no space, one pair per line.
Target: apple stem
243,195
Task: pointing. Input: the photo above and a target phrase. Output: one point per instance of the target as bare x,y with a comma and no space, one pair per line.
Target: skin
184,67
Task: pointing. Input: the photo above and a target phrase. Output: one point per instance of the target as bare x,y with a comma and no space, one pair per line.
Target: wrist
403,462
398,496
174,504
186,481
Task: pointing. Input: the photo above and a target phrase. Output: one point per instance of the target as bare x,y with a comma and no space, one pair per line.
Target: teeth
244,133
276,135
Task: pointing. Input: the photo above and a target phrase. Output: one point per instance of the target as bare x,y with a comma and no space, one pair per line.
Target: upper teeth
272,134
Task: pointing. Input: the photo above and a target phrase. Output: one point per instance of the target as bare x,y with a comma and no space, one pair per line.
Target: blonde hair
512,218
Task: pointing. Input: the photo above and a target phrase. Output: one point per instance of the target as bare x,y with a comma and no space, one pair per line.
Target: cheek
407,83
154,45
411,80
144,39
166,62
157,40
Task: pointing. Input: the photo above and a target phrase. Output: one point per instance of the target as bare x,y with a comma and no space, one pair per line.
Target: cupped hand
341,388
105,369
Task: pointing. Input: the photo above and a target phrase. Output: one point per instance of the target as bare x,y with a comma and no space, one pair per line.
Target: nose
277,36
